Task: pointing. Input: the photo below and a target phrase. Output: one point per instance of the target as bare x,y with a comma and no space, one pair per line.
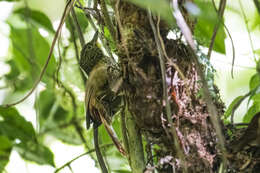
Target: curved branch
80,34
231,39
64,15
76,158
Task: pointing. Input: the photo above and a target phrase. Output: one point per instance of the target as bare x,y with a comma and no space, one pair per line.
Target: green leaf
255,22
205,26
82,21
109,38
50,108
54,119
254,81
60,115
29,51
256,98
16,79
255,108
13,74
257,51
67,135
5,143
115,160
231,106
15,126
36,17
5,150
35,152
161,7
29,54
45,100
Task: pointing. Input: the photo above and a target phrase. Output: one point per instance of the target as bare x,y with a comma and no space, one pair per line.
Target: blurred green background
230,88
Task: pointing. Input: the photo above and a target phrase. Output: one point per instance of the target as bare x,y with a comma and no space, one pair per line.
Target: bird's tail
113,136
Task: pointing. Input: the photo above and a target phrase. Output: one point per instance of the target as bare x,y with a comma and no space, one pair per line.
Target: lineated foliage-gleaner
100,101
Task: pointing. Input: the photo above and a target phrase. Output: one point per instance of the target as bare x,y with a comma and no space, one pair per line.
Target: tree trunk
143,89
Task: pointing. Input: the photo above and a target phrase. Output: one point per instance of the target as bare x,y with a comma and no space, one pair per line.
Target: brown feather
97,89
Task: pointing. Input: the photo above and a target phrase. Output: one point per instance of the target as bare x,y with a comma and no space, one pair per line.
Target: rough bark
145,119
143,88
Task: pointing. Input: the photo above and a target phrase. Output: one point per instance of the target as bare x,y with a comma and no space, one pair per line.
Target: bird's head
90,55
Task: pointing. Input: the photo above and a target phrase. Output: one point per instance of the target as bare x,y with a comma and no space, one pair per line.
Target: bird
99,96
251,135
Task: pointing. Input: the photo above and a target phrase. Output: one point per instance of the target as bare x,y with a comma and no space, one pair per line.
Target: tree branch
76,47
76,158
222,5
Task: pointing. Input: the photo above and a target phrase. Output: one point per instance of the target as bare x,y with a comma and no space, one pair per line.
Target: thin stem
182,24
76,48
165,53
71,170
76,158
247,28
80,34
67,9
59,61
222,5
107,19
231,39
